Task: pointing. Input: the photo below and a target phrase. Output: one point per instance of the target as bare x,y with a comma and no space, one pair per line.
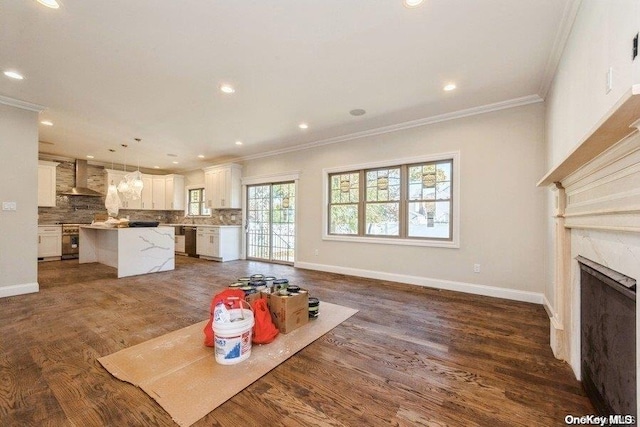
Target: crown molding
21,104
562,35
497,106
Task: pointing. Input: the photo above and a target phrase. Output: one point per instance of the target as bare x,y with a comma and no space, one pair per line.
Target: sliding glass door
271,222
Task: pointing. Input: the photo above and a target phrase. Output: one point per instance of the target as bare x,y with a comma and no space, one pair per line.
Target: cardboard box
251,298
289,312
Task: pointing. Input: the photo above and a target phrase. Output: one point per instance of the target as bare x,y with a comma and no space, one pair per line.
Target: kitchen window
197,205
411,202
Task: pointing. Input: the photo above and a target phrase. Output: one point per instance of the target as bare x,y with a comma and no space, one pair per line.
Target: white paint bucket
232,340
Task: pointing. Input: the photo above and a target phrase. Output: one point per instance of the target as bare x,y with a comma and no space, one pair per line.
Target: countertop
102,227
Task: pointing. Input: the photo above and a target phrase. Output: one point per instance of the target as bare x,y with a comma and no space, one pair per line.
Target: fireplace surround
596,215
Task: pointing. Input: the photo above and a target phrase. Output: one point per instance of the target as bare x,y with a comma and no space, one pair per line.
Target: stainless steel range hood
81,188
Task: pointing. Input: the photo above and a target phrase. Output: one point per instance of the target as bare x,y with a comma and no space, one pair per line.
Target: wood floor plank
411,356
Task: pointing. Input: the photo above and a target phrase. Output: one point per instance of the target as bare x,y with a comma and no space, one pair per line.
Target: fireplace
608,338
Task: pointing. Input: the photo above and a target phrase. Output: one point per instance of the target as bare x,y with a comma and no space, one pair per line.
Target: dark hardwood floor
411,357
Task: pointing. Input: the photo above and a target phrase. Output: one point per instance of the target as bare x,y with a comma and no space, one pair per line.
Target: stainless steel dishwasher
190,241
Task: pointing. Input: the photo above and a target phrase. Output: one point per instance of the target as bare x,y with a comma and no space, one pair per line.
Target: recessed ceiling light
238,142
201,156
156,167
46,123
89,156
227,88
53,4
412,3
357,112
303,126
449,87
13,75
174,162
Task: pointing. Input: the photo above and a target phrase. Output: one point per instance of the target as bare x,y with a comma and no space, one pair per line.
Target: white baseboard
554,318
470,288
13,290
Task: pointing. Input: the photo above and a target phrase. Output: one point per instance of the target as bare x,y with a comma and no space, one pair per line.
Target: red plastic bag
264,331
231,298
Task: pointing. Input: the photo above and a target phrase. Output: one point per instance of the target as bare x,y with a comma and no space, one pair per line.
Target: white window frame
453,243
186,206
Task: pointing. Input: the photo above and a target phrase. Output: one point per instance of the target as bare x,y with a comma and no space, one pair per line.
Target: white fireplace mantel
613,127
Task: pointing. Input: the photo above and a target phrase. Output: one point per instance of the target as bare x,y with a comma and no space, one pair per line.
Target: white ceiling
111,71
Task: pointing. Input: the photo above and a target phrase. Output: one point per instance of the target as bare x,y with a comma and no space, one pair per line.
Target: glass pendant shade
123,187
131,186
112,201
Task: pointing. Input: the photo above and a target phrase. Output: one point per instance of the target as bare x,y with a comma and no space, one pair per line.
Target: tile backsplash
81,209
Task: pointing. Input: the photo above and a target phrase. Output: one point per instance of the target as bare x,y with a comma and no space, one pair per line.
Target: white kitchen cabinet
180,244
220,243
158,193
49,241
115,177
146,197
207,242
223,187
174,192
47,183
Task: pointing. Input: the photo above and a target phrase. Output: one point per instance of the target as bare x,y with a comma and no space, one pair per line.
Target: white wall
502,211
601,38
18,183
194,177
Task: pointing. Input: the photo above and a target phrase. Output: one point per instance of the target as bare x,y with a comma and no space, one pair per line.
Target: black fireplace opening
608,338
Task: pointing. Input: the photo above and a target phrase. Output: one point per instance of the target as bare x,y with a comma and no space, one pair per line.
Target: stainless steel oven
70,241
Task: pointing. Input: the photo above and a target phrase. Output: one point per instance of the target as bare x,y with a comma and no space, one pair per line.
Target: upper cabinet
174,192
146,198
159,192
47,183
222,186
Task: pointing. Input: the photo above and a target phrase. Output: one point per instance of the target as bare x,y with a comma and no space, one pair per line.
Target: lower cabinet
49,242
180,246
218,243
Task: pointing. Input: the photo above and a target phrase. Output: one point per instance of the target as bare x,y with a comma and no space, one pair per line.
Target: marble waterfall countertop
131,250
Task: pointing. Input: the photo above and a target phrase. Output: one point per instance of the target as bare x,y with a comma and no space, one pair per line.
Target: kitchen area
71,195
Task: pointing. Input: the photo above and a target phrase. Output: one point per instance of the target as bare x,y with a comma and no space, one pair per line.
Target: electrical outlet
315,252
9,206
609,79
476,268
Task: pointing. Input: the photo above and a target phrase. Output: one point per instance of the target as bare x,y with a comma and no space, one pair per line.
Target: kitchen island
132,251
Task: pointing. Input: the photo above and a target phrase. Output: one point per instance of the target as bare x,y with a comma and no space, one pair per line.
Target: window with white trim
197,205
411,201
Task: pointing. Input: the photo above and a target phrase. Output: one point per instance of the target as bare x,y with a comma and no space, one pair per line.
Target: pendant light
131,185
137,183
123,186
112,201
